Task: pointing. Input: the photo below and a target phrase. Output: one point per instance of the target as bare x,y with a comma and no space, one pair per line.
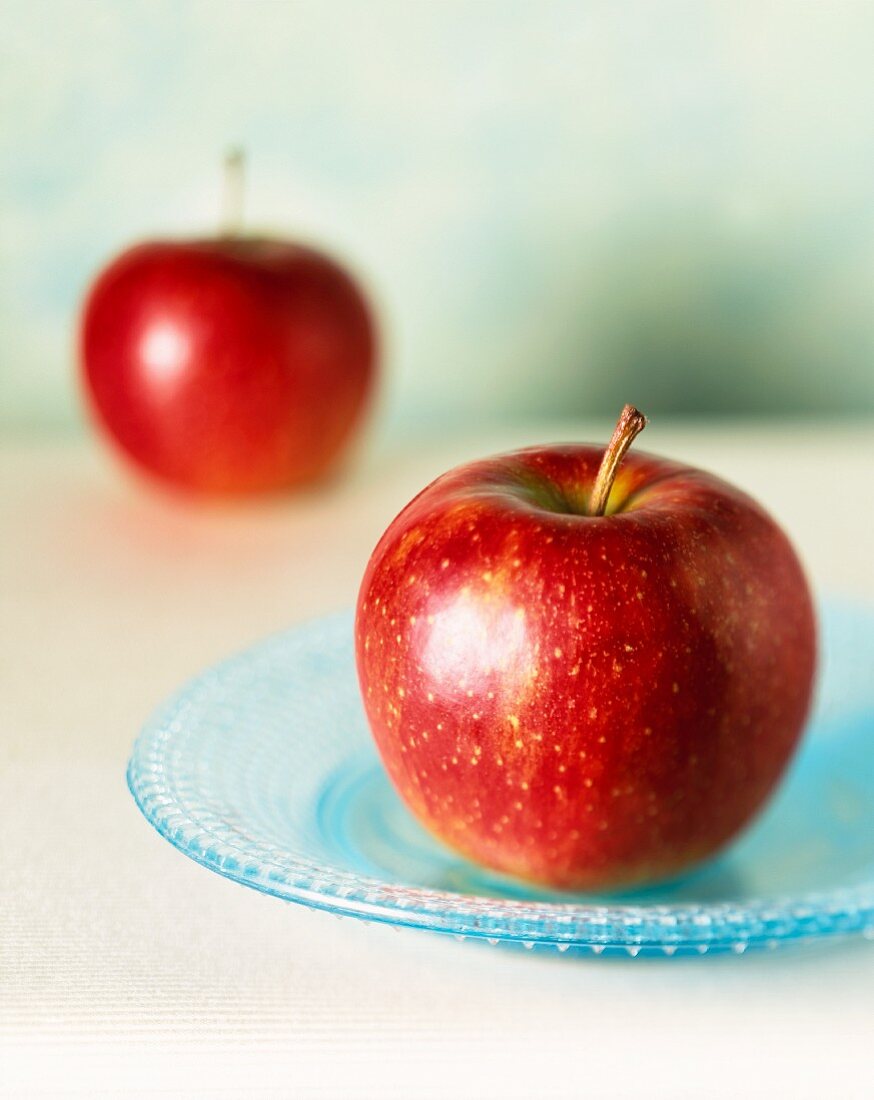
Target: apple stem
630,424
232,194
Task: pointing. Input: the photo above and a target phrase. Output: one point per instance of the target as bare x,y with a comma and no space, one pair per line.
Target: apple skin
230,365
584,702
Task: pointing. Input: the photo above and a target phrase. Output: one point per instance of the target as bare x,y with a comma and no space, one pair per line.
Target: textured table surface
125,968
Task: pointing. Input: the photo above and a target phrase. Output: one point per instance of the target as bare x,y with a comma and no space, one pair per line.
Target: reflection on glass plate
262,769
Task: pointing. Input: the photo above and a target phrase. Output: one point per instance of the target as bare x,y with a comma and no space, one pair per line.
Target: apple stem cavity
630,424
232,192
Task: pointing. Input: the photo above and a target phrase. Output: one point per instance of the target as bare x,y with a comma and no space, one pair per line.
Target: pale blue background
559,206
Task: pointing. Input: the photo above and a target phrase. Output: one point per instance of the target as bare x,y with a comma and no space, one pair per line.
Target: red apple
228,365
579,699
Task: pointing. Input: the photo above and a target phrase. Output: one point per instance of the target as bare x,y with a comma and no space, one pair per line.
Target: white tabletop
126,968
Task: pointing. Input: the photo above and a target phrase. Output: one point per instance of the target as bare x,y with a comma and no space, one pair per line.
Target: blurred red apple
228,365
580,699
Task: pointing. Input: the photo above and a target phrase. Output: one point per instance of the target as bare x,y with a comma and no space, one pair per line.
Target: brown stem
629,425
232,194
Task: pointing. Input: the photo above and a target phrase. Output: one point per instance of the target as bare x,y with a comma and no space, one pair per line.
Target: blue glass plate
263,769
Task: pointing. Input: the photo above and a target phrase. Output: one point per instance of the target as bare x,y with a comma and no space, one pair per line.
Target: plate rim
684,928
